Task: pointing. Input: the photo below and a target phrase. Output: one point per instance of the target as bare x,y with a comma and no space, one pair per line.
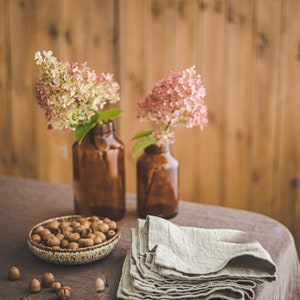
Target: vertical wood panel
73,47
287,197
5,111
101,41
53,153
22,118
264,103
239,69
160,40
75,29
213,72
133,76
186,31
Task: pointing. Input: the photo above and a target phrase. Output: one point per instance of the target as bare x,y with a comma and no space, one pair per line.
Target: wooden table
26,202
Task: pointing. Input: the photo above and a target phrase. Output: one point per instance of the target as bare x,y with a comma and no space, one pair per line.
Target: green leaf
141,134
108,114
82,130
103,117
143,143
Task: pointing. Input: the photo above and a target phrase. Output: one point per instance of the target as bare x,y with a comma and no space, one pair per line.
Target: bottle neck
106,129
157,149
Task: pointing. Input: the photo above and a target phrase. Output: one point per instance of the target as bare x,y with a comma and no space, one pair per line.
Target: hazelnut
67,231
100,285
88,242
14,273
53,241
73,245
55,285
75,224
96,223
112,225
91,235
38,229
101,235
94,218
103,227
110,233
47,236
81,242
60,236
36,237
79,228
64,292
54,225
74,237
97,240
34,286
85,223
47,279
85,232
64,224
64,243
44,232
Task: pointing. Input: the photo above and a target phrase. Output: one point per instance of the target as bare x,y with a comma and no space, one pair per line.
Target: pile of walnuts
74,234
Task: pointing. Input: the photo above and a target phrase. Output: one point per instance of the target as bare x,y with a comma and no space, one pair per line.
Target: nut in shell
14,273
34,286
100,285
55,285
64,292
47,279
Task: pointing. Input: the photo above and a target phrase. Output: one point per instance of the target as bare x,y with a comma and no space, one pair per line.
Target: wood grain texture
5,89
239,33
286,207
133,73
265,101
185,31
22,118
53,151
248,53
211,21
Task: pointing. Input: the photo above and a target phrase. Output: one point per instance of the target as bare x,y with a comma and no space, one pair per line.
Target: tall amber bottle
99,173
157,182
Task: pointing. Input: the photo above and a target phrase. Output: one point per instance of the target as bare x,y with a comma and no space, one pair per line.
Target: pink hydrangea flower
177,101
70,92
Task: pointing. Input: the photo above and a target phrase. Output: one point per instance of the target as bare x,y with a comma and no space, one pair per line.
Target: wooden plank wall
248,52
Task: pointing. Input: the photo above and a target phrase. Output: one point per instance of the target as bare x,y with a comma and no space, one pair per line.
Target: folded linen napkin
167,261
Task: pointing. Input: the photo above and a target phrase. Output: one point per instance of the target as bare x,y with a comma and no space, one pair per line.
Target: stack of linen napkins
167,261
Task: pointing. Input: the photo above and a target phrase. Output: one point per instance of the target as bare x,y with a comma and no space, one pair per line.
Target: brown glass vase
99,173
157,182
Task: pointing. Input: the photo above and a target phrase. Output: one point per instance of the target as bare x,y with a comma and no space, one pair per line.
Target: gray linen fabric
167,261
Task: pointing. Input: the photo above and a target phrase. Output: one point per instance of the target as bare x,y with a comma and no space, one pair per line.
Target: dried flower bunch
72,94
177,101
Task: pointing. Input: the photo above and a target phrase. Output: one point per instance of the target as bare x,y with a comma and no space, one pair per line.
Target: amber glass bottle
157,182
99,173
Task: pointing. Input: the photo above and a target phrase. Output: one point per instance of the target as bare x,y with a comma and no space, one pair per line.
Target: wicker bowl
71,256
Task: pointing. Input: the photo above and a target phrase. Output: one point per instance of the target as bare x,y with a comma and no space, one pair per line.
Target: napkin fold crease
167,261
